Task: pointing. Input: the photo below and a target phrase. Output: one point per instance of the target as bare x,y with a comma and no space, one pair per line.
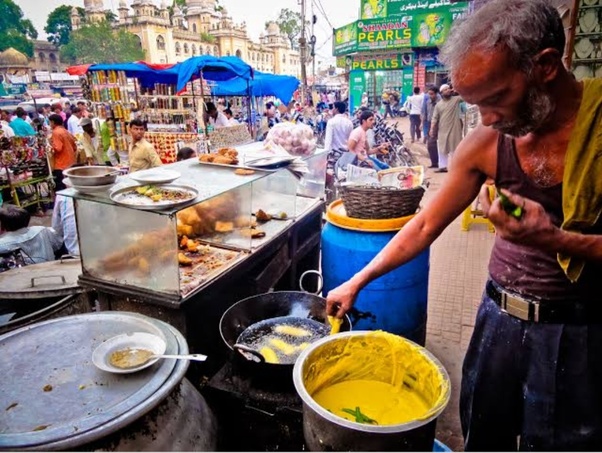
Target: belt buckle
520,308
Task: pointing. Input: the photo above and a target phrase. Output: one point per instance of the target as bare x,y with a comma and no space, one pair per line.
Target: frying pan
266,307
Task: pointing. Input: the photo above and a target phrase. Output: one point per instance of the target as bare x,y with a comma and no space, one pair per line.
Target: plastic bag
296,139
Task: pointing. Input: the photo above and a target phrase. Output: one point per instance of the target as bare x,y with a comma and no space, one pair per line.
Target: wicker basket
363,202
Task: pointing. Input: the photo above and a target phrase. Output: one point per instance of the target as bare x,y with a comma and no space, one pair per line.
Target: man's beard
533,113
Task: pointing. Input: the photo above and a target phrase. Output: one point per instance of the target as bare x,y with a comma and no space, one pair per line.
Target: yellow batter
389,379
381,402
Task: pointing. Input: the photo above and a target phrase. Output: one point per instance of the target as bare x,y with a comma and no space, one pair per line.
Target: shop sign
376,62
420,76
408,82
357,86
431,29
383,34
397,8
373,9
345,39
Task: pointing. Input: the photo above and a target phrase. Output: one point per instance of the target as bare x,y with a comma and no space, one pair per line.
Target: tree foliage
290,24
99,43
15,31
58,26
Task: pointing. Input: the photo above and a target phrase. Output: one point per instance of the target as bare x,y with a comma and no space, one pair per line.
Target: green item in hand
359,417
510,208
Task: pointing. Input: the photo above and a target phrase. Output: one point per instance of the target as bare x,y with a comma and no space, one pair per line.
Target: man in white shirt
338,130
63,223
231,120
214,117
8,131
73,125
415,104
37,243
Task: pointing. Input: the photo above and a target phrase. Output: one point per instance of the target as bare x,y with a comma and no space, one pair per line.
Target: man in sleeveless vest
532,375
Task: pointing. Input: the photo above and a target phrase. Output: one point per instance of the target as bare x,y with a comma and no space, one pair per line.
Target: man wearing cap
446,125
90,143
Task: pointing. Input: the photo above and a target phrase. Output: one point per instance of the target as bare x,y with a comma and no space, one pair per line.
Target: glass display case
587,39
177,250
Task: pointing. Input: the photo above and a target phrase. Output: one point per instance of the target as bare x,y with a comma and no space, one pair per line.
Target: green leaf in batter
359,417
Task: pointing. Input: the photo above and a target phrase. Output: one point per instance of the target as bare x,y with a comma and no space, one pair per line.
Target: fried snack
244,172
243,221
206,158
283,346
226,160
183,241
292,331
252,233
269,355
224,227
227,152
192,246
262,216
183,260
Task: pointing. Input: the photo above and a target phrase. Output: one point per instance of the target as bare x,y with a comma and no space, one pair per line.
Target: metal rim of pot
386,429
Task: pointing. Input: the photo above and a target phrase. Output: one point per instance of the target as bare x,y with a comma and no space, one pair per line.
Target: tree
290,24
58,26
99,43
15,31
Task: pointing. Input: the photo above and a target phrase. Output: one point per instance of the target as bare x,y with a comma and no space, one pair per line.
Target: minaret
75,19
123,10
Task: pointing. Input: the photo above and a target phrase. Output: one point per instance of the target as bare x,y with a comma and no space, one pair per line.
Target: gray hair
524,27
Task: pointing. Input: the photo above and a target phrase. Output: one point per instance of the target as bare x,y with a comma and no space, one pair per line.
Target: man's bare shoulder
479,149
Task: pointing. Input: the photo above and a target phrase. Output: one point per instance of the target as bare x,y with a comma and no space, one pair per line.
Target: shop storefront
406,34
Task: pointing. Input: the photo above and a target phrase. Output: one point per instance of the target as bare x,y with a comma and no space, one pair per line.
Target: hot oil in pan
281,340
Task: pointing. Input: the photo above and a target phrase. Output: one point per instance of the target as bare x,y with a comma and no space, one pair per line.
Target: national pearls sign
383,35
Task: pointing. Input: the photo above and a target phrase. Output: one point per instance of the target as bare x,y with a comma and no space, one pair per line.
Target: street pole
303,55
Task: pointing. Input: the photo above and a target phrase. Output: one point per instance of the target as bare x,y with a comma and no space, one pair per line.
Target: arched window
228,53
200,50
215,51
193,49
185,48
239,53
284,59
208,52
52,58
42,57
160,43
178,48
194,28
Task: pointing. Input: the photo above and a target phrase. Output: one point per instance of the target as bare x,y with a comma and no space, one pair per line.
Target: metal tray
52,395
121,197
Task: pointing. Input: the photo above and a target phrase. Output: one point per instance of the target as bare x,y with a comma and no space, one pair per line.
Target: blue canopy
213,68
263,84
145,75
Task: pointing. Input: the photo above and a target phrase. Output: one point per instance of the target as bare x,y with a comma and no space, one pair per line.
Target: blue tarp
213,68
263,84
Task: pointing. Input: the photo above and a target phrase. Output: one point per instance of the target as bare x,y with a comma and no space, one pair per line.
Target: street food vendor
142,154
215,117
531,375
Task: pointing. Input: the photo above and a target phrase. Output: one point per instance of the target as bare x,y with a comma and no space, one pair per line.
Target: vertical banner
373,9
357,86
408,83
420,76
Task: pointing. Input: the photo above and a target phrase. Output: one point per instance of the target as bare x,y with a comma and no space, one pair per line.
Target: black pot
262,307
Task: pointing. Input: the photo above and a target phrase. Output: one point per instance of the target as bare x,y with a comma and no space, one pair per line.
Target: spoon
194,357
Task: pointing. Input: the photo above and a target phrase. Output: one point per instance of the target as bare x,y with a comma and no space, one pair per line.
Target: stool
474,215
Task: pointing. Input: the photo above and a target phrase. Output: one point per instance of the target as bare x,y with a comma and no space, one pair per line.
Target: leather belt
547,312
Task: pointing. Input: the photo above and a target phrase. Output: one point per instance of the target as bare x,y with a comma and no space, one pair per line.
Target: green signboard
380,62
408,82
420,24
373,9
357,86
345,39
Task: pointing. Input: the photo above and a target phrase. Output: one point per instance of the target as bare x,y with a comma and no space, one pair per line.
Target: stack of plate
87,189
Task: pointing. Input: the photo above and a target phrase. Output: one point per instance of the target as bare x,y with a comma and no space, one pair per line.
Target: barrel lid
54,278
337,215
53,397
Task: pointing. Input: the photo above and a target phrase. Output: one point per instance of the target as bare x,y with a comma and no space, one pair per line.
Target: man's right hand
340,300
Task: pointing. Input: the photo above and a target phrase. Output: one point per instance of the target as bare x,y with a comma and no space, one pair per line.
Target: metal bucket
369,356
19,313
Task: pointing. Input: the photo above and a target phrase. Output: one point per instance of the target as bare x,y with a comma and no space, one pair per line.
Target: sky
255,12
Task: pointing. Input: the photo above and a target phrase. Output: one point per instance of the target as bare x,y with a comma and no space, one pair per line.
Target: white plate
87,189
155,176
136,340
269,162
126,196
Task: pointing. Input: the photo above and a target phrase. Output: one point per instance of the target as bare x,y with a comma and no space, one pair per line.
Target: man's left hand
534,228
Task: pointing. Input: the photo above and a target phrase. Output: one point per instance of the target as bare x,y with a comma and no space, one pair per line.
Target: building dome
122,4
13,58
163,5
273,29
89,4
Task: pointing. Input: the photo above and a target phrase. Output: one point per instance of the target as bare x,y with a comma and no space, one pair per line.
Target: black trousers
431,146
58,180
415,131
531,386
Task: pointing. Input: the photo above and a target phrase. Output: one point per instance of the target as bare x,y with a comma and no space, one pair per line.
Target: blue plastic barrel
395,302
440,446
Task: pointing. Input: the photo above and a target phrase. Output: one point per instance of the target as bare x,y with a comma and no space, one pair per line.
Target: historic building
201,28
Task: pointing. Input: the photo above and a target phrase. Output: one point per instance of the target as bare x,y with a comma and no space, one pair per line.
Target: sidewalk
458,270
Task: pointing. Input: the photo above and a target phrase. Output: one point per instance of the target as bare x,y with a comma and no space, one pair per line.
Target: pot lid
53,397
54,278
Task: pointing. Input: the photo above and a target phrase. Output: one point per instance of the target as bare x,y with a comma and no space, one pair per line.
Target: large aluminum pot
326,362
93,175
